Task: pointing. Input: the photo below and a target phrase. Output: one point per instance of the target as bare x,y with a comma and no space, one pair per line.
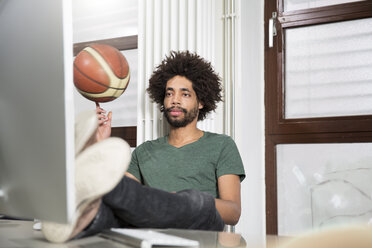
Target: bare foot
87,217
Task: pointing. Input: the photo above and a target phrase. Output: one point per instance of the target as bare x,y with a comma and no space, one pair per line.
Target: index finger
99,110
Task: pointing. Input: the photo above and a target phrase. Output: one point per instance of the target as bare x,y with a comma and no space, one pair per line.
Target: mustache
178,108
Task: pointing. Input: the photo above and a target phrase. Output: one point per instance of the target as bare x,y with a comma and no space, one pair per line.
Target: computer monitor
36,109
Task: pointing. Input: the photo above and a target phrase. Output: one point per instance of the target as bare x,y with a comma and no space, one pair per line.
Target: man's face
181,105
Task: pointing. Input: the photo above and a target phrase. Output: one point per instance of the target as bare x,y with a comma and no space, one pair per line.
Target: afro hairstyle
205,81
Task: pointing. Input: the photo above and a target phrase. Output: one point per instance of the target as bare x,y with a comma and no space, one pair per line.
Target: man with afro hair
186,88
187,179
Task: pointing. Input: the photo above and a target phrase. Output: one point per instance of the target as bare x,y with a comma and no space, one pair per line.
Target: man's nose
176,98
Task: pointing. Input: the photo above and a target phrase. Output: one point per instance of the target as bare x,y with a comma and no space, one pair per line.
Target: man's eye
186,94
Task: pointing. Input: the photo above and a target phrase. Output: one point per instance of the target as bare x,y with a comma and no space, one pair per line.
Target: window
318,96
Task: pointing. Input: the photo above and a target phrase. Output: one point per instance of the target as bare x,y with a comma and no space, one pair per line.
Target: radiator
166,25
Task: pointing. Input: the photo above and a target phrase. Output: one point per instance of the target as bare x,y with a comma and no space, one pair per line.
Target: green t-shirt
197,165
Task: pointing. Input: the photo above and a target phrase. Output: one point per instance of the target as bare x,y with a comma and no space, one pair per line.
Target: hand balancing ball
101,73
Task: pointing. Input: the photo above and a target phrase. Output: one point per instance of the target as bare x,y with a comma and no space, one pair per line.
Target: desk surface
19,234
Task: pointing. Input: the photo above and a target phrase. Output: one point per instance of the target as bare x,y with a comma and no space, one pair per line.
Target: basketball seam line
101,60
121,65
104,85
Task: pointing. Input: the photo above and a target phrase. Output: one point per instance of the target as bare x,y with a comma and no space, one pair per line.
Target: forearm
229,211
132,177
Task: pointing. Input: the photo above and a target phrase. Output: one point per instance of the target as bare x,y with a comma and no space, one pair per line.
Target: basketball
101,73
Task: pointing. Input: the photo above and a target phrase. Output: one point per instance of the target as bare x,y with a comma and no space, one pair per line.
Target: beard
189,116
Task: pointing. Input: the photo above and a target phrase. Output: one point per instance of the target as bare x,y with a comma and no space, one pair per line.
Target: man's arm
131,176
228,205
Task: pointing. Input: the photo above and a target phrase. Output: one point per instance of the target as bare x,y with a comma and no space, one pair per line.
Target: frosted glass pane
328,70
321,185
306,4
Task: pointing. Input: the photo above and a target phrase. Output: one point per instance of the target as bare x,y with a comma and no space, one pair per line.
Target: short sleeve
229,161
134,167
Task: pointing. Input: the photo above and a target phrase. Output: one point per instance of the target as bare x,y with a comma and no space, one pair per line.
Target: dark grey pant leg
132,204
146,207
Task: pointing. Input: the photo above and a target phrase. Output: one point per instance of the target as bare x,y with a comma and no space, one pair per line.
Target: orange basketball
101,73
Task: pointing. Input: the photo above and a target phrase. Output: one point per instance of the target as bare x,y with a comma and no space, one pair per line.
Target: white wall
97,19
249,114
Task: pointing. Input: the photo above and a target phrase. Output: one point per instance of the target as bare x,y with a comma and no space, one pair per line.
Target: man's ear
201,105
